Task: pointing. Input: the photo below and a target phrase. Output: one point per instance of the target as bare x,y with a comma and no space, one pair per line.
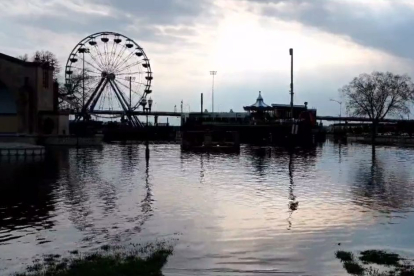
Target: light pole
213,73
291,82
130,79
143,103
83,50
83,80
147,109
150,101
340,109
189,107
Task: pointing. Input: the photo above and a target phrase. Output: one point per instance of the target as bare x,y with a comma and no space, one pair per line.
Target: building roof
18,61
288,105
219,114
294,106
258,105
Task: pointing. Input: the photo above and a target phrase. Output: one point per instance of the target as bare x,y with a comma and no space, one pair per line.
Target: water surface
265,211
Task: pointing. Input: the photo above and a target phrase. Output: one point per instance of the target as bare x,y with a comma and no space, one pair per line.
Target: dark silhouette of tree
70,94
24,57
377,95
48,58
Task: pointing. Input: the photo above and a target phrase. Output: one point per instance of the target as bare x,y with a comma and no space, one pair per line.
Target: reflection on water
26,199
262,211
375,185
293,203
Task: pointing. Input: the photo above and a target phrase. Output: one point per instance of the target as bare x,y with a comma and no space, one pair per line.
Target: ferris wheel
107,75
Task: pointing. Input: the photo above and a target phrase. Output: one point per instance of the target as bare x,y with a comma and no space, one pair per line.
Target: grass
139,260
380,257
354,268
375,263
344,256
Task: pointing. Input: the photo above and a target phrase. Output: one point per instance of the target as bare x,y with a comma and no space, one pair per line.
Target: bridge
136,113
179,114
358,119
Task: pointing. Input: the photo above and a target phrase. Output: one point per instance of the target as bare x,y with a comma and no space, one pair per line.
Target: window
45,78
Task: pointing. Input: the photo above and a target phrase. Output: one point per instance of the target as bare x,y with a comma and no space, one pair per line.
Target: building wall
44,89
8,124
32,88
63,125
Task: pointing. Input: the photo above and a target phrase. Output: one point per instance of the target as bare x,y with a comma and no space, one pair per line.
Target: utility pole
291,82
130,94
130,79
340,109
213,73
83,50
83,81
201,103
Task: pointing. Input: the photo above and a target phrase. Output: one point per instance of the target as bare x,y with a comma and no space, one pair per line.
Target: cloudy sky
247,42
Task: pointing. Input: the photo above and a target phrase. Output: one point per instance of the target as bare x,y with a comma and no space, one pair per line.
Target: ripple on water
263,211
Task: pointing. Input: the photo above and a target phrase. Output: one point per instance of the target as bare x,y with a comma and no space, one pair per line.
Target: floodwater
265,211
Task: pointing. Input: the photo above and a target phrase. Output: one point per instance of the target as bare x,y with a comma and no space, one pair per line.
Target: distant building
256,114
28,99
276,111
258,106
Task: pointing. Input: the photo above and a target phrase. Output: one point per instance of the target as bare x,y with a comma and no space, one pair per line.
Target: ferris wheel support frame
89,106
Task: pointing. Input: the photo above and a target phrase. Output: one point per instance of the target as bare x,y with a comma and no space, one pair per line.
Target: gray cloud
388,28
161,11
85,17
164,27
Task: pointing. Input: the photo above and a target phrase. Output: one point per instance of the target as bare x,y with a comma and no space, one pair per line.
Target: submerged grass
109,261
380,257
354,268
344,256
375,263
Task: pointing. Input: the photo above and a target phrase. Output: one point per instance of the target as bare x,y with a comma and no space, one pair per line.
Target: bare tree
23,57
378,95
49,58
71,93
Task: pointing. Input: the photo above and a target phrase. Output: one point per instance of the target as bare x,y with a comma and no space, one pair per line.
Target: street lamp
143,103
340,109
150,104
146,109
